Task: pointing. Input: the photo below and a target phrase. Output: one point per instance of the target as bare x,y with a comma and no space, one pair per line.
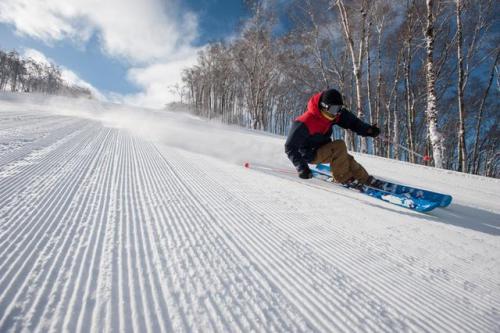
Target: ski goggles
332,109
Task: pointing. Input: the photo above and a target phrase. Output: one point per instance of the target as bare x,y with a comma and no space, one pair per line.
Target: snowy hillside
120,219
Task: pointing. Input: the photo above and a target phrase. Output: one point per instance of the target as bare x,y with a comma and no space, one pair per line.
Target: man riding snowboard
309,140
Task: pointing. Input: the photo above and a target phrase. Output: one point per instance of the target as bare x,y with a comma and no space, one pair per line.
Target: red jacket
312,130
315,122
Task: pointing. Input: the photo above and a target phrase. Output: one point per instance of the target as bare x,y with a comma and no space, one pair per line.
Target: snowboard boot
374,182
353,183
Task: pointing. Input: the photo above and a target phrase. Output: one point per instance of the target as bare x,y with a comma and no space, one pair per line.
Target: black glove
373,131
306,173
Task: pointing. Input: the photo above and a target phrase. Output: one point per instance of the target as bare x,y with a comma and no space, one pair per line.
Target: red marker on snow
246,165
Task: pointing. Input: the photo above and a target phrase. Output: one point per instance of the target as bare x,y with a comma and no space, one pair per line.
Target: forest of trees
426,71
27,75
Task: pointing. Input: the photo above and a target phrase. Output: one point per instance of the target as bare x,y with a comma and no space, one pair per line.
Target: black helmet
330,97
330,103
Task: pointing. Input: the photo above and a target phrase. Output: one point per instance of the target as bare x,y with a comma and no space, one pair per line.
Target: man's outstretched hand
373,131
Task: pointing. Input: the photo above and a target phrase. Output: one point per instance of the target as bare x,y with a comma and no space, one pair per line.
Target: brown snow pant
342,164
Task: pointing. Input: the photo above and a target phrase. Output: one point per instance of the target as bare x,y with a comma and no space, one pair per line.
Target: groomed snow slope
117,219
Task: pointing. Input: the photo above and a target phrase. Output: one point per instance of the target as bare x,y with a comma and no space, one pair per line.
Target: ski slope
115,219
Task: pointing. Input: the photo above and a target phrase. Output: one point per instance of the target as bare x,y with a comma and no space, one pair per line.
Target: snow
121,219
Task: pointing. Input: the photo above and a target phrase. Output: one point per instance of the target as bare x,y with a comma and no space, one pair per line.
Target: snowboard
443,200
399,199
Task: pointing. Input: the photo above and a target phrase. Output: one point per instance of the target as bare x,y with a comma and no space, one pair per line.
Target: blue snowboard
443,200
402,200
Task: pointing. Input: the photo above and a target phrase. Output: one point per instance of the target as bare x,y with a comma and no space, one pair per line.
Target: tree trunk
368,79
475,162
432,113
410,113
462,151
357,59
396,131
378,96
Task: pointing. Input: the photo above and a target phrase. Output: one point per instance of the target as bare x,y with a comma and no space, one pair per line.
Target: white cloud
67,75
45,20
152,35
140,31
156,80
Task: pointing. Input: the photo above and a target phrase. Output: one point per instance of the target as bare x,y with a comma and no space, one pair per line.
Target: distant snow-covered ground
122,219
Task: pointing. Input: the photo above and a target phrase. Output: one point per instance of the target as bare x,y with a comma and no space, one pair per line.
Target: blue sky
125,52
217,18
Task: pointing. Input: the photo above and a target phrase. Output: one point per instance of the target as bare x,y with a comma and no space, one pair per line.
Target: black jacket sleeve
350,121
296,138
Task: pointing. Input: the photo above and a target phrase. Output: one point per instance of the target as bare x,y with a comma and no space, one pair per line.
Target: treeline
425,71
27,75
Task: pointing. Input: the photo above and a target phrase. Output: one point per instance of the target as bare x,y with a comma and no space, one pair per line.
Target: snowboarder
309,140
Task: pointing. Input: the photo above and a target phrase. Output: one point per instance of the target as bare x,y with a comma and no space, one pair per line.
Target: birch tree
432,113
479,117
409,96
18,74
357,53
471,35
257,61
462,153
